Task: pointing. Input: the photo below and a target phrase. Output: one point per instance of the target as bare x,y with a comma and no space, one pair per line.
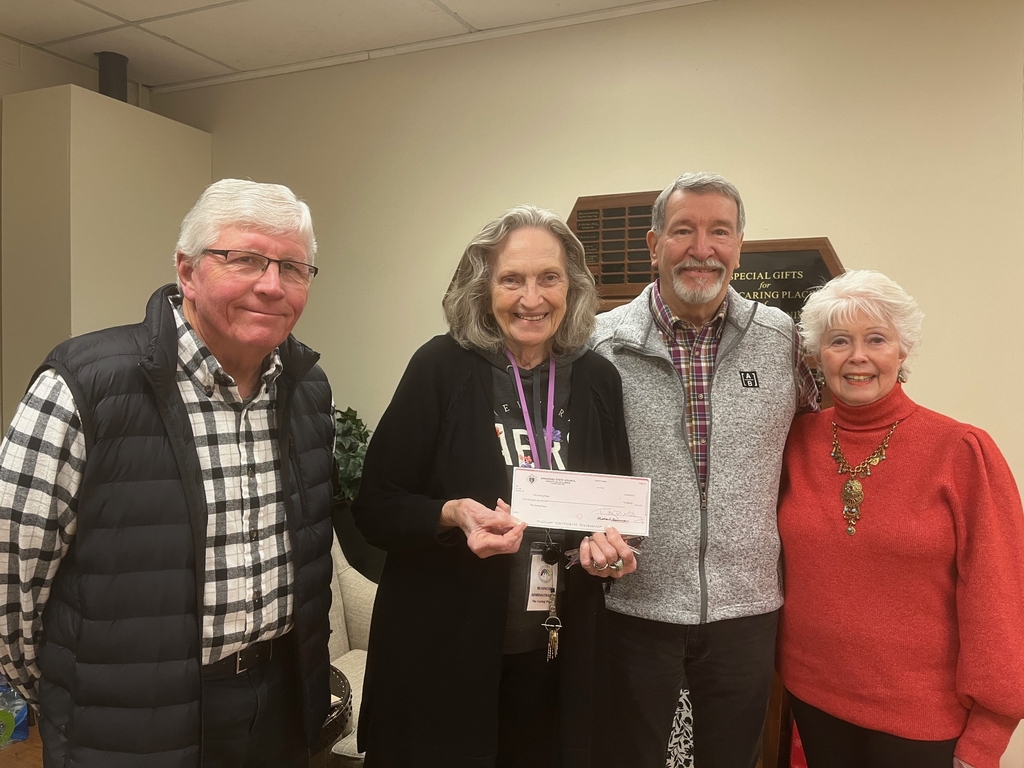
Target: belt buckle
239,668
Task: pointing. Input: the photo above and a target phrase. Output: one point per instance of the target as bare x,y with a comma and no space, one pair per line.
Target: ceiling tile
134,10
151,60
267,33
488,14
38,21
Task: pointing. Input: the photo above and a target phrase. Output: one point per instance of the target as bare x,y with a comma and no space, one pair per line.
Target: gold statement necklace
853,491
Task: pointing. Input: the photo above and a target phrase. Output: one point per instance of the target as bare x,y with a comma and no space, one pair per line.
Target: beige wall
36,284
134,176
93,191
23,68
26,69
850,120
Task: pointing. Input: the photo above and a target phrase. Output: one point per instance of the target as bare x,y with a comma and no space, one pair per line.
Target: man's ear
652,243
185,274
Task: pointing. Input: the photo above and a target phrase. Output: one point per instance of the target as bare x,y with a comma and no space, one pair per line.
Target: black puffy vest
120,661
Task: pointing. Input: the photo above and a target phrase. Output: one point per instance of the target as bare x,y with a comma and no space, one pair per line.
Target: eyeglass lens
255,263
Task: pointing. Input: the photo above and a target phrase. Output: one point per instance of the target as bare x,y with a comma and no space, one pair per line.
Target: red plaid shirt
693,351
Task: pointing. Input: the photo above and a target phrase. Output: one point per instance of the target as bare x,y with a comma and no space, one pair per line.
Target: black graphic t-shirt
523,630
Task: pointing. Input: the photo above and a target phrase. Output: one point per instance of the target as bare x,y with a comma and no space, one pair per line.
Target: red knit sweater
915,624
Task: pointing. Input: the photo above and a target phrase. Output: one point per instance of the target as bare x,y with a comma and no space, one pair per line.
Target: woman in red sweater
902,637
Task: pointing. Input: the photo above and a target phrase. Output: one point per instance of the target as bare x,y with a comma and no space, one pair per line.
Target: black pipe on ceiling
113,75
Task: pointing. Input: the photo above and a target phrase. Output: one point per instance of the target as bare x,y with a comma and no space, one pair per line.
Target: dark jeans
726,665
833,743
528,711
254,720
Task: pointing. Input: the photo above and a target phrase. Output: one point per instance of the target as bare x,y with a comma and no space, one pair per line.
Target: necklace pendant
853,493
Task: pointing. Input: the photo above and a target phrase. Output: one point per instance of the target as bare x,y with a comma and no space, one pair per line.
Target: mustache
712,263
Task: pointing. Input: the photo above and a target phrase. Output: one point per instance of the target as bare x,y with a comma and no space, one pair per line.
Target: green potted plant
351,437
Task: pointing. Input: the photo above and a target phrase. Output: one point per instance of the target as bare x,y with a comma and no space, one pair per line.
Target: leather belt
241,661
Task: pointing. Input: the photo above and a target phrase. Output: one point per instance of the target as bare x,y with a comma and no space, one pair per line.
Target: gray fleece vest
714,556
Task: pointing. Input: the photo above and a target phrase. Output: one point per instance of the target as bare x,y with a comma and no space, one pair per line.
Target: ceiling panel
151,61
488,14
268,33
134,10
37,21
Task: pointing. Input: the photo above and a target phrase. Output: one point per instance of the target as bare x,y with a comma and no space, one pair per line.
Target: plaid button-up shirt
248,570
693,351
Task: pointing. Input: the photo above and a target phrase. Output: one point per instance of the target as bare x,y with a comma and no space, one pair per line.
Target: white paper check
581,501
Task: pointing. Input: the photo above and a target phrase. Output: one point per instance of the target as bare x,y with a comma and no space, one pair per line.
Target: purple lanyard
548,432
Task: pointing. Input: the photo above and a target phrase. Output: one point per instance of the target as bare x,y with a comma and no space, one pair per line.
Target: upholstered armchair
350,632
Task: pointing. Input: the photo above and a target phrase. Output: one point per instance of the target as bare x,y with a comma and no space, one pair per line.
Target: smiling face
861,359
529,290
240,319
696,252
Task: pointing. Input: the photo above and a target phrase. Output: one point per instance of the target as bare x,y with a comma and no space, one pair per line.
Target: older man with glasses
165,526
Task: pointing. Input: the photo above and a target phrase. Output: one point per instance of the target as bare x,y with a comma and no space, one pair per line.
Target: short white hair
860,291
270,209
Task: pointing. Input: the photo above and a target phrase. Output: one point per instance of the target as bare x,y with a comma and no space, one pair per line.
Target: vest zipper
700,560
297,479
701,566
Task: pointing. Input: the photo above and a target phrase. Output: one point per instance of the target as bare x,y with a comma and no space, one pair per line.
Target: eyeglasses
253,265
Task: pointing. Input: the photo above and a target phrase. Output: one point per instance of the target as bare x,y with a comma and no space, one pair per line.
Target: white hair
270,209
866,292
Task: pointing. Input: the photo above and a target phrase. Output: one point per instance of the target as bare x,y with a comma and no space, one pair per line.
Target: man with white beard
711,382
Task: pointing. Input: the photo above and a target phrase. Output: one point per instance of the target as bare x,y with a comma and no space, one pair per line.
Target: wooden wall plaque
613,230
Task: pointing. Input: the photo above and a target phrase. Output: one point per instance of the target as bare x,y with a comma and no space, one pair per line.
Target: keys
552,642
552,624
633,542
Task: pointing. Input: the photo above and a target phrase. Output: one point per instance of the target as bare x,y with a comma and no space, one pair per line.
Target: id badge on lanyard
543,579
542,592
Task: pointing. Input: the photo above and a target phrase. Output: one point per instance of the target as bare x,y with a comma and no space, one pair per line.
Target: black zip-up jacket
430,696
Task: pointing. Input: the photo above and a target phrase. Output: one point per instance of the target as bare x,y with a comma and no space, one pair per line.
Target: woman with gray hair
468,596
902,532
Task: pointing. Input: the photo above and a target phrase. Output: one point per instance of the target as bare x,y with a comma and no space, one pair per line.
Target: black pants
833,743
726,665
254,720
528,711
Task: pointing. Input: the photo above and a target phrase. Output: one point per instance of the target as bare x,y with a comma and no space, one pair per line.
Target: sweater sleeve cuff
985,738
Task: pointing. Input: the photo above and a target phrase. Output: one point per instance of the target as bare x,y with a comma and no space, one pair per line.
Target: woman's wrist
449,516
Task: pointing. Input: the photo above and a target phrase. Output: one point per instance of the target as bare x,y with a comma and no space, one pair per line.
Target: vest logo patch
749,379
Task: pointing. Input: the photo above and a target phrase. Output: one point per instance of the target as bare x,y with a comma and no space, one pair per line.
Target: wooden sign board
613,230
781,273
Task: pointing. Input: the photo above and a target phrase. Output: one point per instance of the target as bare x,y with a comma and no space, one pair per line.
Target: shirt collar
201,366
668,322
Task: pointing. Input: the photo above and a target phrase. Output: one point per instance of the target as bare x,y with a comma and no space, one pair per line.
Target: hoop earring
901,377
